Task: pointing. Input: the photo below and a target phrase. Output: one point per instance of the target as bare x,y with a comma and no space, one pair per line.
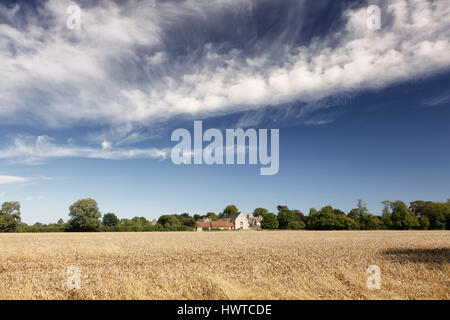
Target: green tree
140,221
373,222
366,220
436,212
84,216
10,216
360,210
324,219
401,217
286,219
328,218
347,223
187,220
12,208
38,227
269,221
8,223
169,221
212,216
260,212
230,209
110,220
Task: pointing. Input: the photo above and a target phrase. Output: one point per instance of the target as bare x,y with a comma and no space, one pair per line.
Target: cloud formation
35,150
138,63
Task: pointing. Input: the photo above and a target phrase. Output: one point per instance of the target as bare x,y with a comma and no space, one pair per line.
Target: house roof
203,225
215,224
231,216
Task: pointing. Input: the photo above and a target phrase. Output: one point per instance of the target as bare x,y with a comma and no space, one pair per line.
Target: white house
238,219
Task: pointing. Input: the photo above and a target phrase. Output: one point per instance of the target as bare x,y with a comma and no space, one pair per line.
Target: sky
89,111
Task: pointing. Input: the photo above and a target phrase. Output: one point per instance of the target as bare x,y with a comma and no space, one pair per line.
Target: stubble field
226,265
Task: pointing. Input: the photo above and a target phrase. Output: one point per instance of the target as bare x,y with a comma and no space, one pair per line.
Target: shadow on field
434,256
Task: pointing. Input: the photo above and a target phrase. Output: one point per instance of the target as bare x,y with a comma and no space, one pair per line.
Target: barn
223,225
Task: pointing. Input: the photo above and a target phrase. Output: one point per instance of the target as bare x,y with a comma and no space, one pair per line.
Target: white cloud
106,145
35,150
11,179
55,77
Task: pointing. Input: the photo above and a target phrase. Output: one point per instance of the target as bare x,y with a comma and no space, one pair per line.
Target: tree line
396,215
85,216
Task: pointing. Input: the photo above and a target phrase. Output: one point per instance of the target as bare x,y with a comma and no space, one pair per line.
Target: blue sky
88,113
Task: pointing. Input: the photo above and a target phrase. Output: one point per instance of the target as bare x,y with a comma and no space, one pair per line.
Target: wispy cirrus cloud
11,179
36,150
126,134
139,63
318,122
438,100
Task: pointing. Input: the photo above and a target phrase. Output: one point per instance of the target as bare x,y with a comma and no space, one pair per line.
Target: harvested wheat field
226,265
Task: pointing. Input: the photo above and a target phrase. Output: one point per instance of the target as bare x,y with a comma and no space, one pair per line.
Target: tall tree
84,216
